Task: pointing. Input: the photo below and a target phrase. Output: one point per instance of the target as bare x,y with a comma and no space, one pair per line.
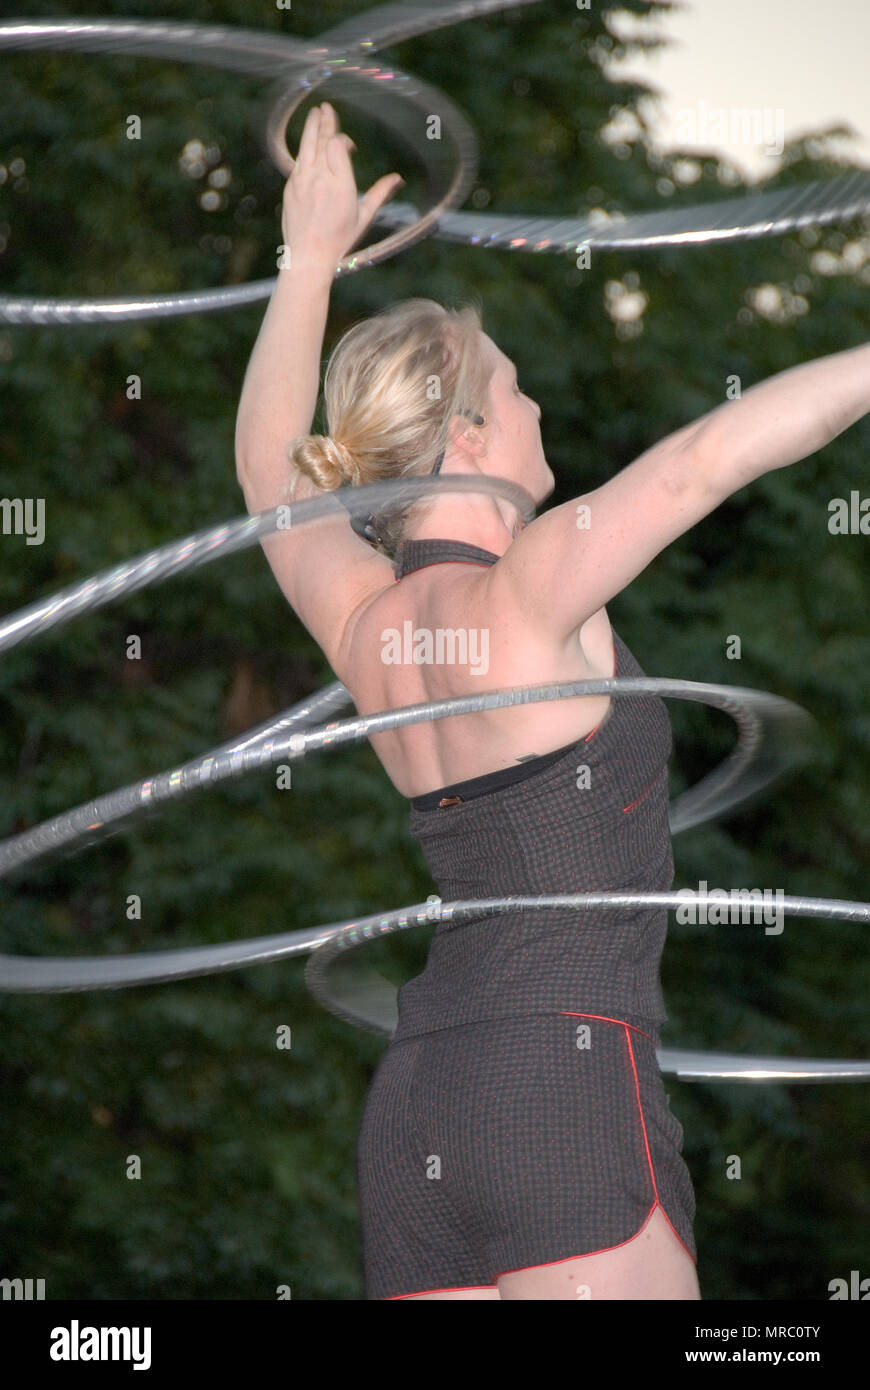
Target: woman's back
470,643
587,814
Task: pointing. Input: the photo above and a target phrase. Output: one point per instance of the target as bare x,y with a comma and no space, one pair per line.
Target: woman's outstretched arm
576,557
322,218
787,417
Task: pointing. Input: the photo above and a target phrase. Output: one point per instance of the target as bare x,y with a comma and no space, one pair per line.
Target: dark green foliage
248,1151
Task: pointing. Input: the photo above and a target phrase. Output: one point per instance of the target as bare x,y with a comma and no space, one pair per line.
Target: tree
246,1148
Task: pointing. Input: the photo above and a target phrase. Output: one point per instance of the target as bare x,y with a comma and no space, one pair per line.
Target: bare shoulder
327,573
577,556
473,598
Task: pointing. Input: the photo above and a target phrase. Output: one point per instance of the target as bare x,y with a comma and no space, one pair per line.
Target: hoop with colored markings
303,65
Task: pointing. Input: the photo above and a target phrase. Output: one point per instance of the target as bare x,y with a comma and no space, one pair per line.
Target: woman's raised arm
322,218
282,383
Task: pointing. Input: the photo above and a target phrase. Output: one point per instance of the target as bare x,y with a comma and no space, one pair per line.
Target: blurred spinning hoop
772,737
771,730
303,65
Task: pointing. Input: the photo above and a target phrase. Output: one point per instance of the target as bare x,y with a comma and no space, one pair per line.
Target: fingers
326,128
377,196
321,124
322,141
339,150
307,152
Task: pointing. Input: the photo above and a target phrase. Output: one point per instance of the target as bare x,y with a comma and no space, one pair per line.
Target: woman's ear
466,436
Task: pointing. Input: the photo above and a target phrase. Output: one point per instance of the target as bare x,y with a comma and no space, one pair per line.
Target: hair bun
326,461
337,457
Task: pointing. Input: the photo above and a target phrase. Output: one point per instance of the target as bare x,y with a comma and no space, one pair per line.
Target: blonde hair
392,385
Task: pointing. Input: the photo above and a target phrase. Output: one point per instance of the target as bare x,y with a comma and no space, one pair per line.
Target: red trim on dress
394,1297
572,1013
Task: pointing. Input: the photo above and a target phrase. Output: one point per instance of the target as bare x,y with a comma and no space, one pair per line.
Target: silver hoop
772,738
348,49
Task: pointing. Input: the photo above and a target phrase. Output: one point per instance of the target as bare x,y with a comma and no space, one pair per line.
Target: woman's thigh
652,1265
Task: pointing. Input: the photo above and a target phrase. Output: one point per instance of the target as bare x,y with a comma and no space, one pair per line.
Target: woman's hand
322,216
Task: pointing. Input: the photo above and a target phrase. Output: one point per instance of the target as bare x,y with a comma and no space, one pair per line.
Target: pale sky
792,66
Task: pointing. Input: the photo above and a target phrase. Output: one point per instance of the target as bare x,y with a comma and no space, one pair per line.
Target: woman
516,1141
